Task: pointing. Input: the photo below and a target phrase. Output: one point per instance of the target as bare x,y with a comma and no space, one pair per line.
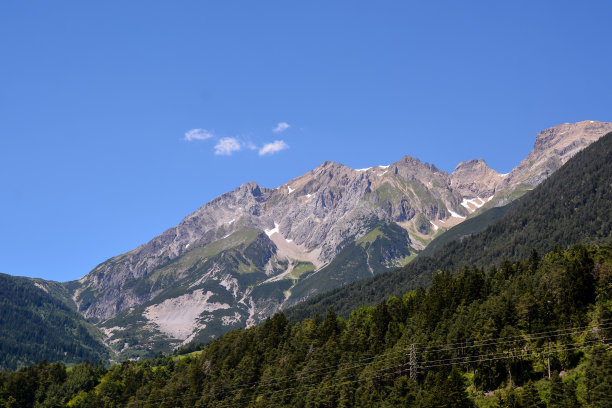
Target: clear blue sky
96,99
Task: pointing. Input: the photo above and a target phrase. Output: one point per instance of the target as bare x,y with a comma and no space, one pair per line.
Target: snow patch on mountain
454,214
273,231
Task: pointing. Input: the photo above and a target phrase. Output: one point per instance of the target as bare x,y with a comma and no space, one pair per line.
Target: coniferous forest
535,333
37,325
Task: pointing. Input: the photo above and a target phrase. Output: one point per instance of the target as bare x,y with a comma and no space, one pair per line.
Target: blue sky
96,99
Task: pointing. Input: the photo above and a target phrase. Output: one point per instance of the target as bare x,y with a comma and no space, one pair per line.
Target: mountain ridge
304,225
573,206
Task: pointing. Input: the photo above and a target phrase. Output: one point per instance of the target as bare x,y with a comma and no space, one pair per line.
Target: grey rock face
553,147
303,225
475,179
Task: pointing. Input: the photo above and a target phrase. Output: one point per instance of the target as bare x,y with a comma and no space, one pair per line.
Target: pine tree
531,398
555,399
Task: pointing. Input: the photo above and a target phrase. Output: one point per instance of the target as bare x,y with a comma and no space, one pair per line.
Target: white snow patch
186,246
490,198
272,231
290,190
476,202
308,195
383,173
288,240
38,285
231,221
503,175
454,214
178,316
434,225
380,167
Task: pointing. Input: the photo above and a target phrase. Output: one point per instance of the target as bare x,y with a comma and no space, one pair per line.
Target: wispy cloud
281,127
226,146
197,134
274,147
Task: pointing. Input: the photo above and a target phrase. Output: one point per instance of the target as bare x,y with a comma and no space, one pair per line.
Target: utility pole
413,363
549,359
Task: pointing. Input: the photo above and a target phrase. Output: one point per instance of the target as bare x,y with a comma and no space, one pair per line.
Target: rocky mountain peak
472,165
553,147
474,178
567,134
412,168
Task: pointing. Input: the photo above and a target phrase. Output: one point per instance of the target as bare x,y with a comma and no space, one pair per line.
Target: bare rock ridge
253,251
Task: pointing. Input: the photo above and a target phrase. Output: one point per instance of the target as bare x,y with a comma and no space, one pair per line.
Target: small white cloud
275,146
227,146
197,134
281,127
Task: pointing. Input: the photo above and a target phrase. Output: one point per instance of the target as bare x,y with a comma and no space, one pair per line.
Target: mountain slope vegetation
574,205
496,337
37,325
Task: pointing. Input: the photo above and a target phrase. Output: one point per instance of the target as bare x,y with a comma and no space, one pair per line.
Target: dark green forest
38,325
574,205
534,333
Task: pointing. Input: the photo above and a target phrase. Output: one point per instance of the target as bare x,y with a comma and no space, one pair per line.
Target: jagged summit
472,164
475,179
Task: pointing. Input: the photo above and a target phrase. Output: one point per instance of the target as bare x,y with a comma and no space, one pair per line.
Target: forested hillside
37,325
471,333
574,205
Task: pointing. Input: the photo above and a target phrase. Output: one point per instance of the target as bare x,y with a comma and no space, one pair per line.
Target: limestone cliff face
252,251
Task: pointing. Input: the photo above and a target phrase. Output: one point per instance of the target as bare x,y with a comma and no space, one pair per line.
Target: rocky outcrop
553,148
474,178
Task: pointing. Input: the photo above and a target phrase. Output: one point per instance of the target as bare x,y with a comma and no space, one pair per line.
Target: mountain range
254,251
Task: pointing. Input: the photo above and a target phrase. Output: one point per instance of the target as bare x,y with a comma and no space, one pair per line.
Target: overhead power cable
440,363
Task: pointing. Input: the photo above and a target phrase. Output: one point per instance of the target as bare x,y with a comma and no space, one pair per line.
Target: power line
442,362
387,357
402,368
